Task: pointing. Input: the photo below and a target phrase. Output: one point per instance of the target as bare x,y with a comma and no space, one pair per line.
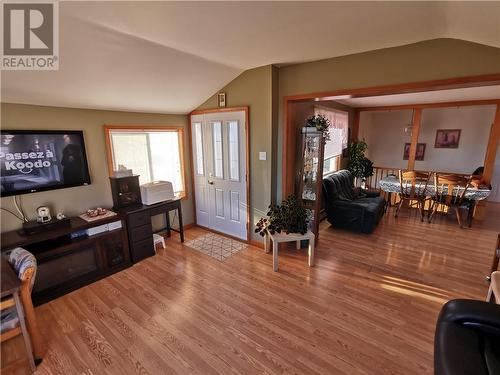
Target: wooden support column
355,126
415,130
491,149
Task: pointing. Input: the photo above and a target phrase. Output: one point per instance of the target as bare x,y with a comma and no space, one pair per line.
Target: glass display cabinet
309,176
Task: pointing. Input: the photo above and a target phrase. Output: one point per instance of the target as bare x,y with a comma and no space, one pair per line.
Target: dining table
390,184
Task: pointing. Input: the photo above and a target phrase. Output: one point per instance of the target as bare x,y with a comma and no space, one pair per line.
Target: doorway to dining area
453,131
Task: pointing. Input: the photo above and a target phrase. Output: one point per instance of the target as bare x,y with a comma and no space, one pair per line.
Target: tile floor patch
216,246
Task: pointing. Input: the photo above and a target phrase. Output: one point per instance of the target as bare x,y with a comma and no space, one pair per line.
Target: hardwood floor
369,306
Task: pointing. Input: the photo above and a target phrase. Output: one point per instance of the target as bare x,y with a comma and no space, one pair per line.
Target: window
338,137
217,144
198,134
234,153
154,153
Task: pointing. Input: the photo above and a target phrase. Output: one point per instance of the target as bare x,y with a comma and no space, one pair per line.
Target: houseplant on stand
359,165
288,222
289,217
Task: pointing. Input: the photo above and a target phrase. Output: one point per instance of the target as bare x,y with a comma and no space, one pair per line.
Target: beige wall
475,123
73,201
384,133
385,136
423,61
254,88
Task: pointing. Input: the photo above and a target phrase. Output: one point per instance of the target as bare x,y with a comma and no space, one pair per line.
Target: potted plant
320,123
289,217
359,165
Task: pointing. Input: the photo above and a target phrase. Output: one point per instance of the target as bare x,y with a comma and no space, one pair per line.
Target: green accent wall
254,88
423,61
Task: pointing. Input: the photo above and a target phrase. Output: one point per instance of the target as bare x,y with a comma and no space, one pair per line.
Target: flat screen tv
40,160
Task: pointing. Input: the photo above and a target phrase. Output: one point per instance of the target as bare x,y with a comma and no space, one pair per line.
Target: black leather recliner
350,208
467,340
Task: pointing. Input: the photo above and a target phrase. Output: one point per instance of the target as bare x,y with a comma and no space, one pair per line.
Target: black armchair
467,340
350,208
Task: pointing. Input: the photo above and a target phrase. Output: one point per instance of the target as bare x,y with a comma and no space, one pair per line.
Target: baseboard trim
256,243
189,226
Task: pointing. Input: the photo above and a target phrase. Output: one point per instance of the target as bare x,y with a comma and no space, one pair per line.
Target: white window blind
339,130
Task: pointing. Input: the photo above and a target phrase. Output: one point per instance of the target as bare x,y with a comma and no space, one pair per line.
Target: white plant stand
278,238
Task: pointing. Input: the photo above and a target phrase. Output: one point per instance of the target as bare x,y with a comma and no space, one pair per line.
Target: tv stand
66,263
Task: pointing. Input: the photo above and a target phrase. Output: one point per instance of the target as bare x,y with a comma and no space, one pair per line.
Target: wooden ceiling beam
462,103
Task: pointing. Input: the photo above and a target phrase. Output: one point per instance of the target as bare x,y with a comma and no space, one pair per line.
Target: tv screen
41,160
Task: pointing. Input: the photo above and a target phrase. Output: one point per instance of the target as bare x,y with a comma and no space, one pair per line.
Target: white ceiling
169,57
439,96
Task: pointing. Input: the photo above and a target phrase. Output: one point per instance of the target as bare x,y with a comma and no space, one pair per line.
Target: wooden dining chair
449,191
23,321
413,188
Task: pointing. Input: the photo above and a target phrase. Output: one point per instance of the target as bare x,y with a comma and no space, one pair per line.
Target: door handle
210,182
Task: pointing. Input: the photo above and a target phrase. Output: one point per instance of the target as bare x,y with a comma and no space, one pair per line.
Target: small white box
157,191
115,225
96,230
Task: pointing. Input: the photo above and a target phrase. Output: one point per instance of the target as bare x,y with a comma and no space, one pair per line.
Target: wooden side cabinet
66,263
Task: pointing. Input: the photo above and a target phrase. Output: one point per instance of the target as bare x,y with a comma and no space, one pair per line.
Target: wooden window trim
145,128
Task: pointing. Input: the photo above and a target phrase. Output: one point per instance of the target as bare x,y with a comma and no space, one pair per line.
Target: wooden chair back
447,184
408,181
26,275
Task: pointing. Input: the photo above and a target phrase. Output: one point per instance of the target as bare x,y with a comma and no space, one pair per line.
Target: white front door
220,173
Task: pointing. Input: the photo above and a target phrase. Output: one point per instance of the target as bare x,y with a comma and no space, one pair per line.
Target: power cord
18,208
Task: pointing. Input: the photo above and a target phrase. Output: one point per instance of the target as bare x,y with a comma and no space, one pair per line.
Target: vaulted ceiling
169,57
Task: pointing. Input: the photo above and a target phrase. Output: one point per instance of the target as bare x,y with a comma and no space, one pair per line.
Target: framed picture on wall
447,138
420,151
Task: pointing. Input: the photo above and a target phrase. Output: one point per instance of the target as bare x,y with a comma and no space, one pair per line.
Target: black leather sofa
467,340
351,208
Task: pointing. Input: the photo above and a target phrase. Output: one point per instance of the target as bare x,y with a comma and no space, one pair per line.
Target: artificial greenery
289,217
359,165
321,123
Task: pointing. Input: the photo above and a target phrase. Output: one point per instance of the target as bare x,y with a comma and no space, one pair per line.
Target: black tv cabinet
66,264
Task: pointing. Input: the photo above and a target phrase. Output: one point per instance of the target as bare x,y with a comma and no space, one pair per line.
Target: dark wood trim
492,147
247,135
415,130
288,161
401,88
218,110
